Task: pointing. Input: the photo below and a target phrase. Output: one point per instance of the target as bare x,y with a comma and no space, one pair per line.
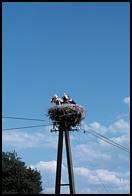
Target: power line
31,119
25,127
34,119
104,138
112,143
110,140
16,118
93,132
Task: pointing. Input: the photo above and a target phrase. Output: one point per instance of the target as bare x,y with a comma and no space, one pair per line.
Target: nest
66,116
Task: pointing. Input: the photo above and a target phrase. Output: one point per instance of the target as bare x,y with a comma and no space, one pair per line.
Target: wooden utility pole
59,163
66,117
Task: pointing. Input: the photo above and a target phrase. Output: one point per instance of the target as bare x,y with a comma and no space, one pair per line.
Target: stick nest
66,116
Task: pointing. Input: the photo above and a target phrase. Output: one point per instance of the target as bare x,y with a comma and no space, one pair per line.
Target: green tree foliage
17,177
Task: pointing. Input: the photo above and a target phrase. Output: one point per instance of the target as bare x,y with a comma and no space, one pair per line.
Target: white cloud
91,150
98,127
95,126
29,139
48,173
49,166
127,101
87,176
94,153
111,177
119,125
123,139
107,177
86,190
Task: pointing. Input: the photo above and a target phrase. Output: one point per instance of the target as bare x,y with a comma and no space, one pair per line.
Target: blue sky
80,48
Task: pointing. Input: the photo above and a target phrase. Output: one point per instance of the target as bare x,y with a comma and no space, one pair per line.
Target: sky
82,49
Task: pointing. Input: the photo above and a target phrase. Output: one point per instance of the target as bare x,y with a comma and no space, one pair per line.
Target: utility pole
66,118
59,163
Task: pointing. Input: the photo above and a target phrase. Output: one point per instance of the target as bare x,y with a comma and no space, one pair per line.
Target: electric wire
17,118
93,132
112,143
25,127
104,138
109,139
